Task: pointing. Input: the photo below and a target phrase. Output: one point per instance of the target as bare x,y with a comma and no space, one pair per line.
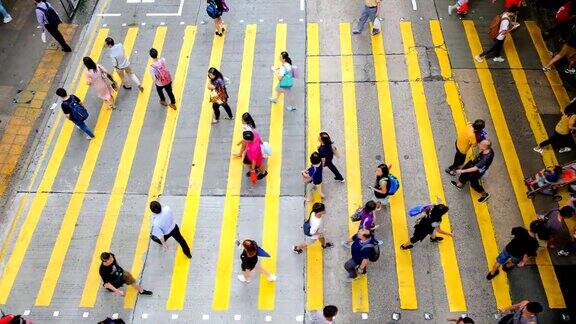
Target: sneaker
450,172
141,88
215,121
272,99
491,275
346,244
173,106
546,68
146,292
478,59
126,87
296,250
7,19
538,149
272,277
340,179
455,184
327,245
436,239
563,253
189,256
564,150
406,247
450,9
570,71
483,198
290,108
498,59
262,175
163,103
355,32
380,242
242,278
88,137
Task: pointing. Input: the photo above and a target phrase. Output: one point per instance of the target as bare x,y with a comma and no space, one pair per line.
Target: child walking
313,177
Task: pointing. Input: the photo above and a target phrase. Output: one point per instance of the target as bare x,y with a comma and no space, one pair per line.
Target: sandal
406,247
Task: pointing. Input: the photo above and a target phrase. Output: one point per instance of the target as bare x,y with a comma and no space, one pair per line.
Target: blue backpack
306,226
393,184
77,111
418,209
212,10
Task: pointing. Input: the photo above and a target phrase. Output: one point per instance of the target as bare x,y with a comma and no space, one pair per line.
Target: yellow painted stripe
500,283
52,273
33,217
314,258
360,302
267,291
163,156
452,280
108,226
404,270
558,89
178,287
547,274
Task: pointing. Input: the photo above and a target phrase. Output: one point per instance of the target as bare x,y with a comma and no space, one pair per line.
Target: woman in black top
429,224
249,261
327,151
218,95
523,246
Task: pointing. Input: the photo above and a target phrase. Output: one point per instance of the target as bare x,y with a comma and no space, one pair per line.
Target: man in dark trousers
164,227
48,20
474,170
69,102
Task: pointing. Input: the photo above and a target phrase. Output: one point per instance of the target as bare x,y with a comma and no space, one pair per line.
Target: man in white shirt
164,227
506,26
122,64
316,229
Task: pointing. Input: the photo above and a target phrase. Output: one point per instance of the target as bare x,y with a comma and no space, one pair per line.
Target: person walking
312,177
461,7
500,26
522,246
215,9
248,124
428,224
550,226
162,78
327,151
98,78
6,18
324,316
524,312
253,157
249,261
367,221
464,319
122,64
218,94
315,230
467,138
386,185
474,169
562,137
363,250
48,20
285,75
114,277
369,13
74,110
164,227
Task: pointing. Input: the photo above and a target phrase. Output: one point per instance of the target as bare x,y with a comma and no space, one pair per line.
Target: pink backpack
162,73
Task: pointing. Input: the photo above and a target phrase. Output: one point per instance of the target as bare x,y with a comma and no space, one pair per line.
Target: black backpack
51,15
375,250
77,111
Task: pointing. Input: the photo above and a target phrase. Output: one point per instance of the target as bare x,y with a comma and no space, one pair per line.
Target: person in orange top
473,134
562,132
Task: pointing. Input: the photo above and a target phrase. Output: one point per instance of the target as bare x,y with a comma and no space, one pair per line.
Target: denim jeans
367,14
3,11
82,125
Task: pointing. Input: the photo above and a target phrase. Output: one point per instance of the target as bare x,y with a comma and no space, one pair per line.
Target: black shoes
491,275
146,292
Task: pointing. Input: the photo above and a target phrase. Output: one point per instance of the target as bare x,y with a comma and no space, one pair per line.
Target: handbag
287,80
216,97
108,79
376,26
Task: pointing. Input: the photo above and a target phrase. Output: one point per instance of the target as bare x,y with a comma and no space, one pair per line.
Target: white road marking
26,312
143,24
177,14
268,318
301,19
174,316
147,1
302,5
414,6
205,317
280,20
162,23
124,25
237,317
144,315
261,20
364,316
56,313
181,23
85,315
132,1
109,15
241,21
115,316
300,318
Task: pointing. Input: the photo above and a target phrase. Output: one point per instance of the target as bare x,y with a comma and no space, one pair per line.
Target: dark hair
89,63
513,9
318,207
60,92
466,320
155,207
251,247
248,135
105,256
217,74
370,206
438,210
109,41
247,118
478,125
286,57
384,168
330,311
570,109
567,211
315,158
325,138
534,307
153,53
519,231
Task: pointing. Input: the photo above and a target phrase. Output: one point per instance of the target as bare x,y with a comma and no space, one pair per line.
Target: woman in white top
316,229
285,76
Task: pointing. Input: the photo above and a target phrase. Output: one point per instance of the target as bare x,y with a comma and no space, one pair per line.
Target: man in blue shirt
360,253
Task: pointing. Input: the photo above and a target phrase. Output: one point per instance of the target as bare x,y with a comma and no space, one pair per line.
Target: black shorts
248,264
246,160
420,233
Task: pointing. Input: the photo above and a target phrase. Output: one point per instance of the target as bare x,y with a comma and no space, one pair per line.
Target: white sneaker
570,71
538,149
450,9
564,150
242,278
272,277
478,59
563,253
290,108
7,19
498,59
272,99
88,137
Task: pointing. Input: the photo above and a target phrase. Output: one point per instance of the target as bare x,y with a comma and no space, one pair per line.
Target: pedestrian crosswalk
220,294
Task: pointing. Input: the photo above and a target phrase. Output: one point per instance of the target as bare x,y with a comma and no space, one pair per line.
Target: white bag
266,149
376,26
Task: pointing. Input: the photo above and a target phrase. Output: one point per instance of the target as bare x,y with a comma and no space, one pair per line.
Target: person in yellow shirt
468,138
562,136
370,11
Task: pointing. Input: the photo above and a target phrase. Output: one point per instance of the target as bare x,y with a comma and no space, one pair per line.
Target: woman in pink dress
98,78
253,157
